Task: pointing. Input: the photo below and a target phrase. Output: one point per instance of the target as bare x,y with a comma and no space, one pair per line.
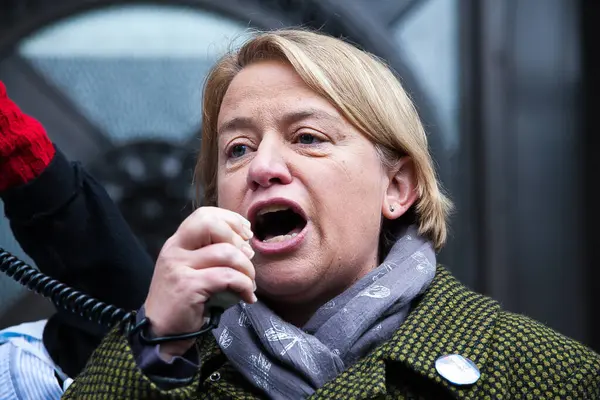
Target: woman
322,201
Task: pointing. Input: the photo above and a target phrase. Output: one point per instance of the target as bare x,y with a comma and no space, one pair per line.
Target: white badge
457,369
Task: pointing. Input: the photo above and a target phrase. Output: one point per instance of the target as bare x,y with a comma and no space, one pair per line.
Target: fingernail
248,232
248,250
254,298
254,284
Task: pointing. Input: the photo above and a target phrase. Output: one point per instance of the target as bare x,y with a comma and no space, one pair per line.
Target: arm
66,222
177,372
114,365
185,278
69,226
584,383
64,219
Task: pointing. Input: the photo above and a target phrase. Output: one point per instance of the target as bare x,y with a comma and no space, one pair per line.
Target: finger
238,223
209,229
221,254
222,279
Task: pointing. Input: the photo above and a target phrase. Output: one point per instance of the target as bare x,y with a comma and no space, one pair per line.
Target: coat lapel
449,319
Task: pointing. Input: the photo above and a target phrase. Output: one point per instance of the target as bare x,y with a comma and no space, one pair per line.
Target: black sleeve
66,222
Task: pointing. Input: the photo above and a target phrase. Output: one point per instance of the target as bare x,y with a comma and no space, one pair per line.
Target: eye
307,138
238,150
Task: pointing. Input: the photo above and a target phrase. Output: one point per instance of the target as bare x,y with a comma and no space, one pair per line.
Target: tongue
281,238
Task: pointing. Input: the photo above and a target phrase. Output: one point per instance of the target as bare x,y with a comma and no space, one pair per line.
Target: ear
401,192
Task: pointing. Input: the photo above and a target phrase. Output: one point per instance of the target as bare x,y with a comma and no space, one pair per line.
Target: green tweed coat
518,359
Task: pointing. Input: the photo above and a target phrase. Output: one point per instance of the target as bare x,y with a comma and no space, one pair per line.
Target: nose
268,167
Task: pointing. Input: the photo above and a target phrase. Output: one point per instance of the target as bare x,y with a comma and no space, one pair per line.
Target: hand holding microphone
208,255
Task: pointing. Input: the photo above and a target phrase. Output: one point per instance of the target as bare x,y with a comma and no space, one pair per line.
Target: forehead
268,90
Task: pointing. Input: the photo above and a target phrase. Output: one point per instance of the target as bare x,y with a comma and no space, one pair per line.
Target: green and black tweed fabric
518,358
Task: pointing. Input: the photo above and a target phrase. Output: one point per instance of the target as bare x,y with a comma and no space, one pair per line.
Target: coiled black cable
92,309
62,295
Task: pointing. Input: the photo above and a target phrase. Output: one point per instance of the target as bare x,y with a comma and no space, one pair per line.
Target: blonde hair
364,90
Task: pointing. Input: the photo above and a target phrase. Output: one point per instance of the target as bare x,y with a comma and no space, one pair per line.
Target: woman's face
281,146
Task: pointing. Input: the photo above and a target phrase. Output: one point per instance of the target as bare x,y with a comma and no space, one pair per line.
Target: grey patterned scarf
287,362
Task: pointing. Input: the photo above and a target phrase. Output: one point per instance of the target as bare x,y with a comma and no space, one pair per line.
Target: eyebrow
234,124
239,123
316,114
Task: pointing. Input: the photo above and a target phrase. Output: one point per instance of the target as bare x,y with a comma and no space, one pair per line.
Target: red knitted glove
25,149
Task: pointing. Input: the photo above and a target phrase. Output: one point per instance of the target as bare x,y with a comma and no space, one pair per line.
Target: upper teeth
272,208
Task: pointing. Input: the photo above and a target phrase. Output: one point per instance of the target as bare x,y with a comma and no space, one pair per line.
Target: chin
284,282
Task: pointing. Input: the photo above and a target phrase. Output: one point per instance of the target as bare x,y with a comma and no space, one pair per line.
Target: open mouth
277,223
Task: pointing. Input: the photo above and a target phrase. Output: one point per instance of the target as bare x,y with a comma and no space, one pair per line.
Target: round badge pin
457,369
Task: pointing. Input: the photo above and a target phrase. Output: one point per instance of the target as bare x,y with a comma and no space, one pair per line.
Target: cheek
368,196
229,191
364,178
356,190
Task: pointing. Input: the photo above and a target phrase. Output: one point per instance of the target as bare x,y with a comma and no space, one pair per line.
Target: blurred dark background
507,90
